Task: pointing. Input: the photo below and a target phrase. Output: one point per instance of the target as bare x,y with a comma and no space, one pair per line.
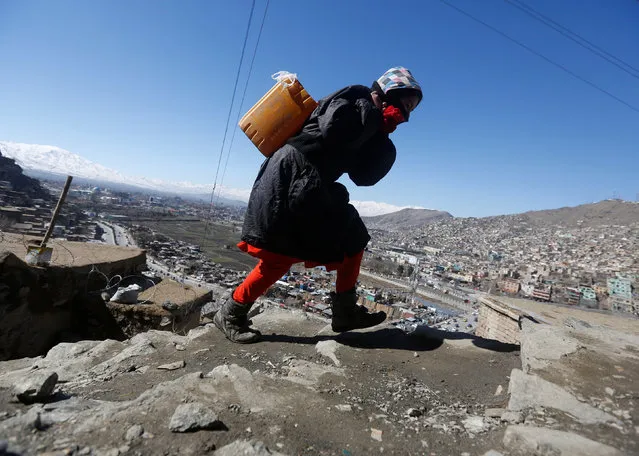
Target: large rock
36,386
193,417
530,391
529,440
543,344
246,448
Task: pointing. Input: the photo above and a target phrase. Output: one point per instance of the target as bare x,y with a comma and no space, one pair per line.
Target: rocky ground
306,391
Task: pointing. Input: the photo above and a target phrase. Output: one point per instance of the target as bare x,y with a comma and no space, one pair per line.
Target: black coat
296,207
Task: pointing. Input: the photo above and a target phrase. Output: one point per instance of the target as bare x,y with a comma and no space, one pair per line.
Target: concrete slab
557,314
74,254
530,391
529,440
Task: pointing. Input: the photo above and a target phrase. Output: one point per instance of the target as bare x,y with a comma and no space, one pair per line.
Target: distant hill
406,218
607,212
129,188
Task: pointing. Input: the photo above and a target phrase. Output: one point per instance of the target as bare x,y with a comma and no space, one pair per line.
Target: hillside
308,391
607,212
405,218
11,172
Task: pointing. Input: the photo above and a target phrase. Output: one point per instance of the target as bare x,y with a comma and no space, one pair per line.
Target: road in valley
108,236
424,292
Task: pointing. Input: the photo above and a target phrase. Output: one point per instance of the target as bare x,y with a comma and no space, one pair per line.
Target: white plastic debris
127,295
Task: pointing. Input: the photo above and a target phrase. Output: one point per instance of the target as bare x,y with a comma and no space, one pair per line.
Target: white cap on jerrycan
285,78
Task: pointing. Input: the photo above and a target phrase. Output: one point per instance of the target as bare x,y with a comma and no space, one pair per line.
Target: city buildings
509,285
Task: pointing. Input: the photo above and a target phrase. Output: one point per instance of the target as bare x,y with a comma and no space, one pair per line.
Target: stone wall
42,306
167,306
498,322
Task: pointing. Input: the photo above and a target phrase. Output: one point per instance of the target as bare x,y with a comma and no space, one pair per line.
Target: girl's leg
347,315
265,274
348,272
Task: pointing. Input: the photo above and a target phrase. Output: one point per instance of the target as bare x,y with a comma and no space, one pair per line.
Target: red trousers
273,266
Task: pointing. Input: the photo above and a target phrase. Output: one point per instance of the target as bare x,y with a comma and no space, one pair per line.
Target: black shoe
347,315
232,320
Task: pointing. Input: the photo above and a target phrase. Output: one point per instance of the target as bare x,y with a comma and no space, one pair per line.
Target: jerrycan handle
282,76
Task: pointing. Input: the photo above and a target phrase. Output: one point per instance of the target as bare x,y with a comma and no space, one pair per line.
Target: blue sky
145,87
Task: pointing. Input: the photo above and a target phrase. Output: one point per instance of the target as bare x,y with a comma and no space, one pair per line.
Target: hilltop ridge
405,218
606,212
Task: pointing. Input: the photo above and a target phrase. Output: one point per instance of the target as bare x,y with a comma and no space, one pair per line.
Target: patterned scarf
398,78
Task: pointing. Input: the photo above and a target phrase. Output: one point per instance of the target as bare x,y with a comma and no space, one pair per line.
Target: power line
228,118
580,40
239,113
538,54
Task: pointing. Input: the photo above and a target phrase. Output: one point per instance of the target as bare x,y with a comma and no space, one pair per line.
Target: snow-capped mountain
51,159
54,160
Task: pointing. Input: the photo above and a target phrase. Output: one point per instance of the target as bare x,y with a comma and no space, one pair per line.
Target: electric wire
580,40
228,119
239,113
538,54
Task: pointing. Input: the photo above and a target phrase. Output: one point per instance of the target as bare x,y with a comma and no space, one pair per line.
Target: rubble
494,412
512,417
474,424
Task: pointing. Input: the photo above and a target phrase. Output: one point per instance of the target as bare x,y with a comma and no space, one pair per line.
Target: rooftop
68,253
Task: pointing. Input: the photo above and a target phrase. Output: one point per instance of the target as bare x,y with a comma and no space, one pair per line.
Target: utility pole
414,283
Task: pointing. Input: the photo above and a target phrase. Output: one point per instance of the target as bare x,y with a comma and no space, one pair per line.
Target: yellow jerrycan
279,114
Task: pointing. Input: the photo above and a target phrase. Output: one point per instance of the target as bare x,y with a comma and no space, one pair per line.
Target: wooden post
58,206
